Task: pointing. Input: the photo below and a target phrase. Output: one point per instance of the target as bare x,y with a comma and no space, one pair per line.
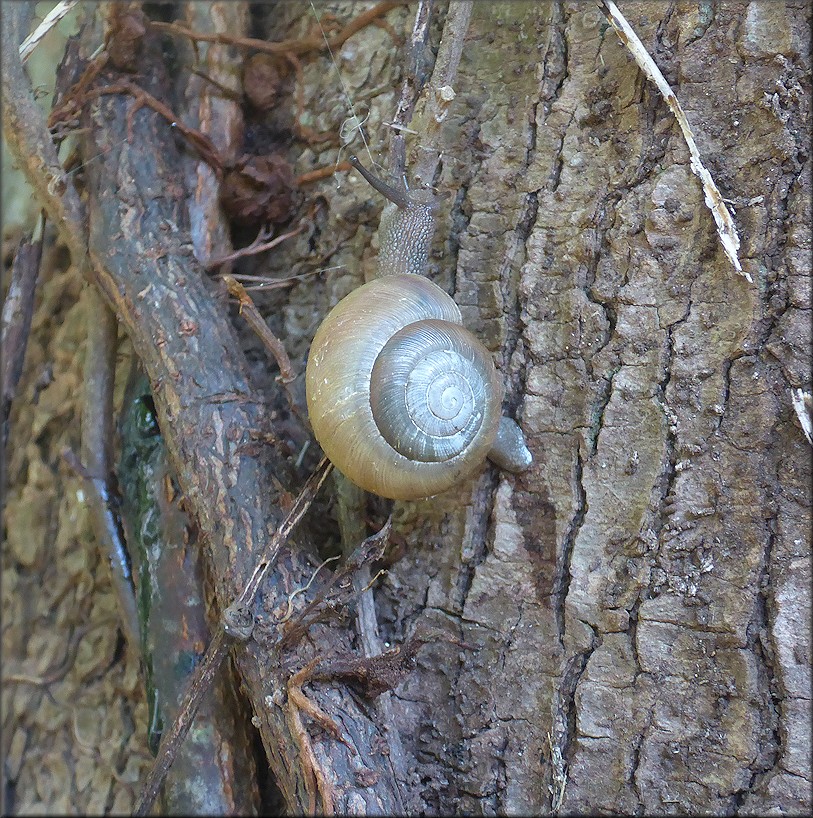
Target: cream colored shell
338,375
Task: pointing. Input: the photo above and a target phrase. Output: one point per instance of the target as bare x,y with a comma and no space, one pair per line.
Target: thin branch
335,591
273,344
18,309
351,506
172,739
726,228
294,515
269,283
228,93
26,134
218,115
441,93
109,533
221,641
252,315
202,144
318,781
322,173
259,245
97,455
351,509
414,79
301,590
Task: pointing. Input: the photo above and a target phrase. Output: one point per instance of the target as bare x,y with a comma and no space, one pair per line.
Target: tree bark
640,597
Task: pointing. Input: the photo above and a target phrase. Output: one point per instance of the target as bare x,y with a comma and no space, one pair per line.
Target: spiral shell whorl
438,376
400,313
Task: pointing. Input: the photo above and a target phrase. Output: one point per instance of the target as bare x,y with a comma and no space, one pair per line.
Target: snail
403,399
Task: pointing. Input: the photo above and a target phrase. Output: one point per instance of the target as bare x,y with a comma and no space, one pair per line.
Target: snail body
402,398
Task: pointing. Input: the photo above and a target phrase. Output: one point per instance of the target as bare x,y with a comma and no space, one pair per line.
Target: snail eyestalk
397,197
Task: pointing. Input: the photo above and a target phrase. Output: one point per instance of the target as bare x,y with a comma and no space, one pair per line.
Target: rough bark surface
640,599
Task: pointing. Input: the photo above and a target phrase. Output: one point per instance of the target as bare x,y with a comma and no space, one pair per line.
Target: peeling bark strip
49,21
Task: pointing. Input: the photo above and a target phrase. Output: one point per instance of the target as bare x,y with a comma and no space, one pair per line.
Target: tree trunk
638,602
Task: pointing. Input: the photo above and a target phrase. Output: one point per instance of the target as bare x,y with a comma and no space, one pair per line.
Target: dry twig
76,100
252,315
49,21
267,283
297,703
321,173
339,589
726,229
97,455
110,535
215,108
262,243
286,47
441,93
273,344
414,79
358,561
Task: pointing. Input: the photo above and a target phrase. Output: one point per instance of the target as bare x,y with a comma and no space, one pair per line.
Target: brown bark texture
639,600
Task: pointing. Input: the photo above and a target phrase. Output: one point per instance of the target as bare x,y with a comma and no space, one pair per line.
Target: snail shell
402,398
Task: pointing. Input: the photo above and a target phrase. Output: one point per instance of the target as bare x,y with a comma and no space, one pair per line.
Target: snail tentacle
406,229
400,198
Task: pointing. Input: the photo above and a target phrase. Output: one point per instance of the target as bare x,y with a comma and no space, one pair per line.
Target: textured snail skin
406,228
339,374
417,221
